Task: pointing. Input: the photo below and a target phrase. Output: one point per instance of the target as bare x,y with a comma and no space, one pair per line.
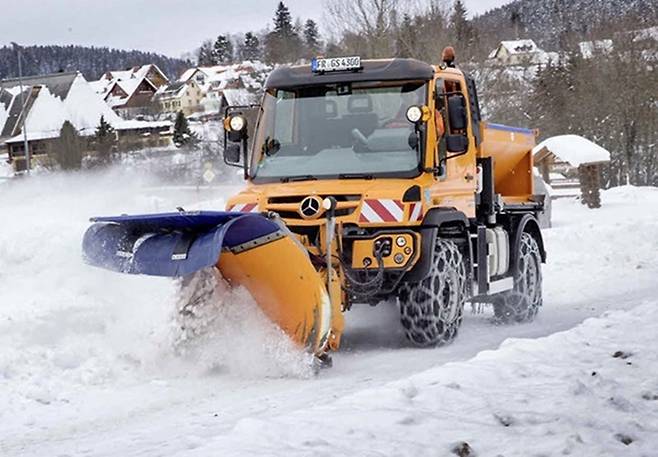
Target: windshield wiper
355,176
299,178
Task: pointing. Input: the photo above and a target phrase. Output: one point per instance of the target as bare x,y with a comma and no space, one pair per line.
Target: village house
224,85
182,96
130,93
50,100
521,53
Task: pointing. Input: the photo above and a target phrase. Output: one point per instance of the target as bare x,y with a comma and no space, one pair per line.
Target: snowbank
6,170
590,391
574,150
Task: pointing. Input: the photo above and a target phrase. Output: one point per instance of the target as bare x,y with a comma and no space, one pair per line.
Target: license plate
336,64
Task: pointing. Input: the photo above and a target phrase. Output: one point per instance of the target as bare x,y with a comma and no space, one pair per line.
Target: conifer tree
283,44
206,54
105,138
459,23
283,20
250,49
183,136
223,50
68,153
312,38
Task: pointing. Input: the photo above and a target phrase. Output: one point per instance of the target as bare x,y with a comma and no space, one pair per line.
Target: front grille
299,198
287,206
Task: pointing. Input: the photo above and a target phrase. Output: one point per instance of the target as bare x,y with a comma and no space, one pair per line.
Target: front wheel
431,310
522,303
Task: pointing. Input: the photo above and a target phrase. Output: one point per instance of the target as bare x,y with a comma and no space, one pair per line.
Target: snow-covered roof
46,112
646,34
128,80
135,124
219,77
589,48
516,47
239,97
129,87
572,149
59,84
175,89
519,46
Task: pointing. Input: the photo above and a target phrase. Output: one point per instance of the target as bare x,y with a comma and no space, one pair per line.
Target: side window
285,116
440,120
452,88
475,109
455,115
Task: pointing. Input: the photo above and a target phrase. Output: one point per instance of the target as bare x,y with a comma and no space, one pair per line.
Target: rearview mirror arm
245,157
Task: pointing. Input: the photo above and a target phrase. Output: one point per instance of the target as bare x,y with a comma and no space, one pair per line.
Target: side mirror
457,112
232,154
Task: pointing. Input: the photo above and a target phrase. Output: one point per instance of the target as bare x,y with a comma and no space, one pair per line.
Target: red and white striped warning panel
374,211
244,208
416,212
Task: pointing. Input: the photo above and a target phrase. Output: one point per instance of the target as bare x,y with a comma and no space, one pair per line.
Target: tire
431,310
522,303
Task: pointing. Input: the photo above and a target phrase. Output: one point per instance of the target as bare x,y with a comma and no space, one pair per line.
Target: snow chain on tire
523,302
431,310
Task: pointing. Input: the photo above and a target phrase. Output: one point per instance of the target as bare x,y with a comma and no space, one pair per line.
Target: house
246,78
180,96
589,49
130,93
521,52
46,102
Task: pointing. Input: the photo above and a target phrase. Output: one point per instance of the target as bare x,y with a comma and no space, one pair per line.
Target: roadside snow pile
612,249
6,171
574,149
589,391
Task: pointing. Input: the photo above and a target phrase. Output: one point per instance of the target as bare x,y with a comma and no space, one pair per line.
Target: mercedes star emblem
310,207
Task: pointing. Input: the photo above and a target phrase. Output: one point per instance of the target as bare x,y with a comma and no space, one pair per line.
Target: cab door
456,149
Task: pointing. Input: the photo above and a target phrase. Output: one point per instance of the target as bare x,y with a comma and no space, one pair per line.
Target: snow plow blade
250,250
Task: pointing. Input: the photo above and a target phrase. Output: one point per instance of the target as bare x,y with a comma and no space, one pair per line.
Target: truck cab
385,169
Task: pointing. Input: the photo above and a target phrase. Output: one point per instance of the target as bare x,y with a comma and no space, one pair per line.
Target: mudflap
250,250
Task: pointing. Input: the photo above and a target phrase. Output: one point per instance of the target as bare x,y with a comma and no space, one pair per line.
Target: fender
527,223
433,221
436,217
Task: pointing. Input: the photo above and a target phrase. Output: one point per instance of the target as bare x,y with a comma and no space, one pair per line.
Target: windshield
339,131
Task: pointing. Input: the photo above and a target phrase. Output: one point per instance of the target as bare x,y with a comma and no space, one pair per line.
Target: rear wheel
431,310
522,303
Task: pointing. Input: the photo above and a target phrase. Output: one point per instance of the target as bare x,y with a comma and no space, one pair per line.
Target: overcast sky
171,27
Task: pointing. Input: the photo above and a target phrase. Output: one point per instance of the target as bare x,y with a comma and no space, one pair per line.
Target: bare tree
373,22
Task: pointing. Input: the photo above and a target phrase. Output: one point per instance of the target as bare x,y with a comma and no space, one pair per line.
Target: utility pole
26,146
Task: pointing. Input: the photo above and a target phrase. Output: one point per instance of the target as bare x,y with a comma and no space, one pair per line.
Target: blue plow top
170,244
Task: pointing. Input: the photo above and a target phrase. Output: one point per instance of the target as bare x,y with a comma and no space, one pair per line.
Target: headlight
237,123
401,241
414,114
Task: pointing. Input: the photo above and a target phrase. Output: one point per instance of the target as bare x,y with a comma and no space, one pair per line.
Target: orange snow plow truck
367,181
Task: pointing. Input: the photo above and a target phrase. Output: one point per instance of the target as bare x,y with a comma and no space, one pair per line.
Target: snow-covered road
88,367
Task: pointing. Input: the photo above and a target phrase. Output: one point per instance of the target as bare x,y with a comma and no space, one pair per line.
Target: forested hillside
551,23
91,61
